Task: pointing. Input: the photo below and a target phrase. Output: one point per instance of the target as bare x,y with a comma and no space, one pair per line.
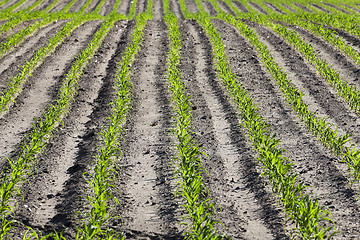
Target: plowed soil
51,198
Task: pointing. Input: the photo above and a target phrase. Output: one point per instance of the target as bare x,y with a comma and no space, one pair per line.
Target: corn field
179,119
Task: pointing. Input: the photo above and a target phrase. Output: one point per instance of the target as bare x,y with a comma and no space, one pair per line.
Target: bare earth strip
274,8
336,7
174,5
216,123
320,8
302,7
288,7
240,6
25,5
141,6
191,6
257,7
144,142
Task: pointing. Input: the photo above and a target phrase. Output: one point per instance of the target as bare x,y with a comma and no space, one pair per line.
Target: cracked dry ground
148,206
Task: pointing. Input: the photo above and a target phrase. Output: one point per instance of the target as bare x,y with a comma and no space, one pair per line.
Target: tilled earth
51,199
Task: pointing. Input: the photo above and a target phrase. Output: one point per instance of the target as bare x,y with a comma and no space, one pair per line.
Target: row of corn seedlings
344,89
116,7
18,38
33,6
348,92
100,181
4,2
14,6
98,7
189,167
346,22
36,140
327,34
69,5
12,41
95,224
51,5
85,6
323,130
311,220
16,83
14,19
